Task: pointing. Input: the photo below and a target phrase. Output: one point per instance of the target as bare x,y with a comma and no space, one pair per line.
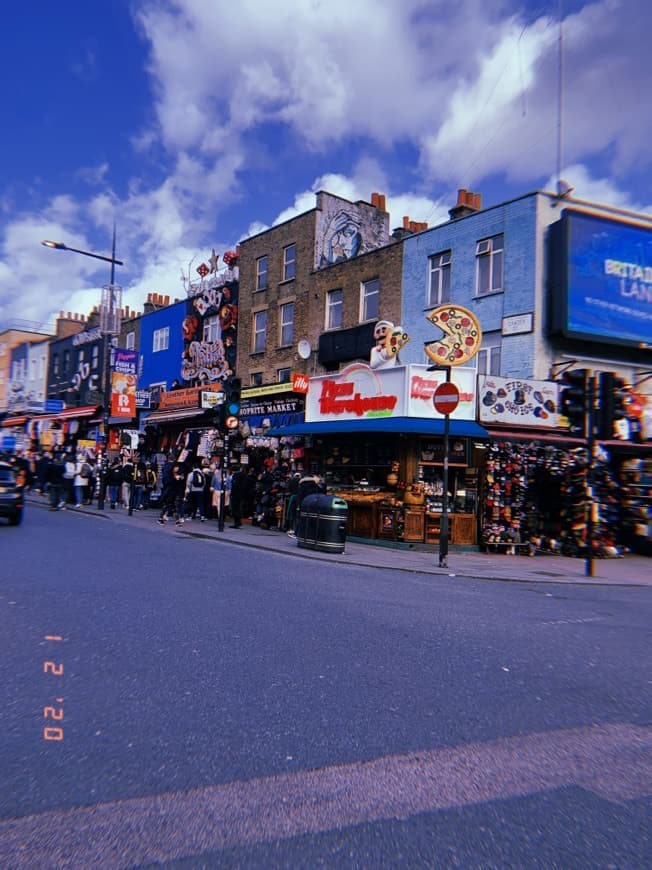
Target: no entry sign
446,398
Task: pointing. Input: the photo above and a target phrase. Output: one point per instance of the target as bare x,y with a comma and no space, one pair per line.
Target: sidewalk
631,570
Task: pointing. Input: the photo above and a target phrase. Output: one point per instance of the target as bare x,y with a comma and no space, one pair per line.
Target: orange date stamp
53,669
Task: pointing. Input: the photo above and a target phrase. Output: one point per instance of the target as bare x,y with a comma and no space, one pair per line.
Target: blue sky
193,123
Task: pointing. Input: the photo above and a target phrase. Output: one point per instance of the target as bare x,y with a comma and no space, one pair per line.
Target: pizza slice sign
462,335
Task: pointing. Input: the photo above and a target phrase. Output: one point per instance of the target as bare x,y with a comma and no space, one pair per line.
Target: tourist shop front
378,442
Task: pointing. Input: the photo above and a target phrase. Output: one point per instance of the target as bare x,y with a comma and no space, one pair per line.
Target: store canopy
70,413
172,415
14,421
385,425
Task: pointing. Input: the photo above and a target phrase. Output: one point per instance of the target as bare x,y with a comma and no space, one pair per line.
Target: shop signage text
188,398
341,397
517,401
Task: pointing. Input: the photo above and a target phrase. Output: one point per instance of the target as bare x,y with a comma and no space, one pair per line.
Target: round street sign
446,398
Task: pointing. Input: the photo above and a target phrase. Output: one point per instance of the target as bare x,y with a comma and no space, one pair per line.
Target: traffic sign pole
447,398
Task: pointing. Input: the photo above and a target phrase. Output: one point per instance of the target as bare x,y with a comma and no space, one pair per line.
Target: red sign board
446,398
300,383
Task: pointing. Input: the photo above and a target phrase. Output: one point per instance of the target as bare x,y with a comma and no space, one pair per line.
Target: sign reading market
360,392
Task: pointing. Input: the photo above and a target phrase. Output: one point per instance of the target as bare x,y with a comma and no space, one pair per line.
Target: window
256,379
131,340
55,364
66,361
334,301
95,356
41,367
488,357
489,265
286,324
212,331
283,376
370,300
260,331
439,283
289,262
261,273
161,339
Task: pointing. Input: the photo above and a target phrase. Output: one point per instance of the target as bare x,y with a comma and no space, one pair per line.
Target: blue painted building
161,346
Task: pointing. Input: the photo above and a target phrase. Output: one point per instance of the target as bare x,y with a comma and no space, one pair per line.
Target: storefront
378,441
538,484
66,428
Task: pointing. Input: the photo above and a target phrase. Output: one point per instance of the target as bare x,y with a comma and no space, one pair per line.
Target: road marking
613,761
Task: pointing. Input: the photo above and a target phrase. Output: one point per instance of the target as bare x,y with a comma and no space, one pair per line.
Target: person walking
167,490
150,484
81,480
194,491
55,482
114,481
216,490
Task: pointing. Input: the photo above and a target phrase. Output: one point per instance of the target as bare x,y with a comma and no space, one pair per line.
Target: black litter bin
322,523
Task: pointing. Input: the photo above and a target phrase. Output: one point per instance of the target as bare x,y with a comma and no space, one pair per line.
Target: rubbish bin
322,523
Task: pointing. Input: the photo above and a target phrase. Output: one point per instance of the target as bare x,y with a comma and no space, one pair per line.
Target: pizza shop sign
357,392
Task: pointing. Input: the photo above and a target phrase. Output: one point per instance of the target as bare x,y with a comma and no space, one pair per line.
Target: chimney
467,203
378,201
149,305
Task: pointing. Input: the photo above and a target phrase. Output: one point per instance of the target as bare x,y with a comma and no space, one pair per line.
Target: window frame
284,380
487,251
439,269
256,379
489,357
290,264
161,339
260,273
331,307
365,316
256,332
282,325
130,340
211,329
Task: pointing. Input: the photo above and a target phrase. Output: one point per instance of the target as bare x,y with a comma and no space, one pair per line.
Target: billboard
603,286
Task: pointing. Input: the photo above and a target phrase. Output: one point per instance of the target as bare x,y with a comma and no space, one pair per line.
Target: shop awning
82,411
172,416
14,421
385,425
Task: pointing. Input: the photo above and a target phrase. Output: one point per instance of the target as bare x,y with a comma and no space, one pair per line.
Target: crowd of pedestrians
195,488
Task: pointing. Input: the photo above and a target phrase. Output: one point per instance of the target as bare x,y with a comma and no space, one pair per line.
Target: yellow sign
462,335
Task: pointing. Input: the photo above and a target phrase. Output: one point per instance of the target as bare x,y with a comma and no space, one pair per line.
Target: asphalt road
224,707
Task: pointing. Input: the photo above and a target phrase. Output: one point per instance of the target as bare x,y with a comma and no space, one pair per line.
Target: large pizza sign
462,336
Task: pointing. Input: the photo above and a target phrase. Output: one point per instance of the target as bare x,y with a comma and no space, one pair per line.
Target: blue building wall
517,220
163,366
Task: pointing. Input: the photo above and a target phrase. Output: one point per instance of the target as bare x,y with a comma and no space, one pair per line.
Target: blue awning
385,425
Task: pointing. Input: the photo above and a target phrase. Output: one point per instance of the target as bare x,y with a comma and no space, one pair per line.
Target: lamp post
109,326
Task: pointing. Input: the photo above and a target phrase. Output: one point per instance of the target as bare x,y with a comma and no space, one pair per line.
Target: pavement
628,570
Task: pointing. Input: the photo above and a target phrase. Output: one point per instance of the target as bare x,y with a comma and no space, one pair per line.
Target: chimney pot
461,196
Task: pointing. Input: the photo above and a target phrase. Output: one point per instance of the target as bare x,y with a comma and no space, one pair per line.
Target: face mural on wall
344,231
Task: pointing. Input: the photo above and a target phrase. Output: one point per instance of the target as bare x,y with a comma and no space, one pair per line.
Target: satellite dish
303,349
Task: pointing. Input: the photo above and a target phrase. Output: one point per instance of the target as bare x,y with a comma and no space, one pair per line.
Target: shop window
370,300
289,262
489,265
259,332
439,279
286,325
334,300
261,273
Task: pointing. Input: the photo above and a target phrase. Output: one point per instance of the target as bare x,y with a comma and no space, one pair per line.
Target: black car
12,495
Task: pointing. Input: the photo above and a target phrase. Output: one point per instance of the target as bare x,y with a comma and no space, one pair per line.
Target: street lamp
109,326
